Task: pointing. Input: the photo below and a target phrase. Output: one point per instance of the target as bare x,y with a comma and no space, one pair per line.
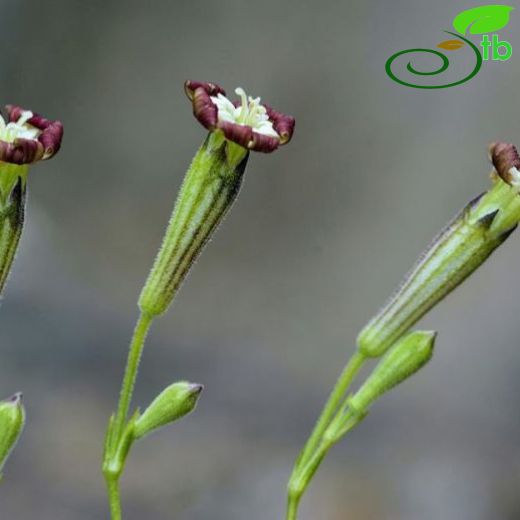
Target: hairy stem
117,443
114,497
132,366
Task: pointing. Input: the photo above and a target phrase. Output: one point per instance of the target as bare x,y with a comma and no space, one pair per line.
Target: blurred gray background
322,233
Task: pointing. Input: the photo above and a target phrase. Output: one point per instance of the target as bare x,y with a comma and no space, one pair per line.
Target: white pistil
250,113
18,129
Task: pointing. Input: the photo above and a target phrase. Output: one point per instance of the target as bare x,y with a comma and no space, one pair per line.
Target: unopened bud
170,405
404,359
12,419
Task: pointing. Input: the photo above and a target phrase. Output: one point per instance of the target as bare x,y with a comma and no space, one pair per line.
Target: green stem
132,366
316,446
335,399
342,423
114,497
293,501
116,449
302,478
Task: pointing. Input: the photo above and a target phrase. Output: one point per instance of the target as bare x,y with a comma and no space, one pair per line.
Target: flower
28,137
25,138
212,182
247,122
506,163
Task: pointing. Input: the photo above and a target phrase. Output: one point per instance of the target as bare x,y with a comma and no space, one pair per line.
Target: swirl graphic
445,63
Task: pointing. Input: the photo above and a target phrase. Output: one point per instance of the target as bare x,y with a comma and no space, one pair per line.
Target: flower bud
170,405
484,224
404,359
12,419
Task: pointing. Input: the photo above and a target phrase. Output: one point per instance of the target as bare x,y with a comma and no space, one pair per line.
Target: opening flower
27,137
247,122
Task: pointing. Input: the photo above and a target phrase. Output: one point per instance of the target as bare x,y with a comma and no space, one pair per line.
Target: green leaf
484,19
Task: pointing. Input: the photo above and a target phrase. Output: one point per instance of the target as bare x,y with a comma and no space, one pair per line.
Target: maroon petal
504,156
212,89
47,144
283,124
264,143
22,151
51,138
240,134
204,109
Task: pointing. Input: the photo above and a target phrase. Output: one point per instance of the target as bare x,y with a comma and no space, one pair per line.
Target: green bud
209,189
12,210
404,359
170,405
12,419
483,225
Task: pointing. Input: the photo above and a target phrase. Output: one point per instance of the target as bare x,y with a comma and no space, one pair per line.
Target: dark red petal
240,134
22,151
204,109
504,156
212,89
283,124
263,143
50,137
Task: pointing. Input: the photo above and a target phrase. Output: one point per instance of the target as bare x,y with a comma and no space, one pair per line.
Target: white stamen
18,129
250,113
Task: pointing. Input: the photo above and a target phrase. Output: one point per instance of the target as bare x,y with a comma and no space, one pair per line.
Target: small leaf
483,19
450,45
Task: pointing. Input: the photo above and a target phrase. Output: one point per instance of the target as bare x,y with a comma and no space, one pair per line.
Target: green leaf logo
484,19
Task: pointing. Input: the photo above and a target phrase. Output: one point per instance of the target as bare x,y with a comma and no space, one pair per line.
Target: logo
483,21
